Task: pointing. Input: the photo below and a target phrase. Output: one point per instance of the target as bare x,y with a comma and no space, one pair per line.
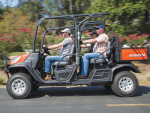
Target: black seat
62,63
101,60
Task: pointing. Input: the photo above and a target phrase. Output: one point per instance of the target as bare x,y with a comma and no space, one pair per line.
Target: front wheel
19,85
125,83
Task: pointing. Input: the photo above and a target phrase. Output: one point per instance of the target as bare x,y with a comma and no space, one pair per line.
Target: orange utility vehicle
113,71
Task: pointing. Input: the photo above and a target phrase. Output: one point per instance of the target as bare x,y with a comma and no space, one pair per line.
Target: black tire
19,78
133,84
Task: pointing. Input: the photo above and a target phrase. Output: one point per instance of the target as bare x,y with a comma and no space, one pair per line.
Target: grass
1,80
16,53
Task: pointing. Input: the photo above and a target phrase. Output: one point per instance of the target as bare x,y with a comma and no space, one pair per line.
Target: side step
81,82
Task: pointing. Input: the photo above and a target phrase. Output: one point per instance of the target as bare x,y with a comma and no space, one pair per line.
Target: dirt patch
144,68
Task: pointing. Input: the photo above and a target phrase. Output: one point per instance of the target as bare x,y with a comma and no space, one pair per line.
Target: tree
47,8
13,21
1,10
127,16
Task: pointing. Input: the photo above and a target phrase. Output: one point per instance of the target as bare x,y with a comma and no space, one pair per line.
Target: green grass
1,80
16,53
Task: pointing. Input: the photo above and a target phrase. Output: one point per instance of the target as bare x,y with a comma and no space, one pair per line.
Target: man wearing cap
99,47
93,36
65,46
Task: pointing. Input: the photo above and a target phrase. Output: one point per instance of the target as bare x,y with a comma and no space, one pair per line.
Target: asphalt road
76,100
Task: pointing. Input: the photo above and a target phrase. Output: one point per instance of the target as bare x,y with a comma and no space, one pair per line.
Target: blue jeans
85,62
49,60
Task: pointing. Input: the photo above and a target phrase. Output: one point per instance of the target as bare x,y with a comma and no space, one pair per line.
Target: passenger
65,46
93,36
99,47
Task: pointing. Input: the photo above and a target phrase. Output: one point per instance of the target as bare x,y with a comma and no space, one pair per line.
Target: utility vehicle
113,72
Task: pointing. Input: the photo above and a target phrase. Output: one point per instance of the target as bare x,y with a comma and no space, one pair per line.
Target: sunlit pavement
94,99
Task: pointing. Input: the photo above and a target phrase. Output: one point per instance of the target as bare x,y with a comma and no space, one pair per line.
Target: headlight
15,60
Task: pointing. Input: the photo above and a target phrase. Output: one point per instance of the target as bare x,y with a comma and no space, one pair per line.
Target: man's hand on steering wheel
44,46
46,49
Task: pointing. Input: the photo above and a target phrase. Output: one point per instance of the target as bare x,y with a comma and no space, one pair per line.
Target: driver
65,46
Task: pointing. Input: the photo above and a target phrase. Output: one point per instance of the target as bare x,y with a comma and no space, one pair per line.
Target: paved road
76,100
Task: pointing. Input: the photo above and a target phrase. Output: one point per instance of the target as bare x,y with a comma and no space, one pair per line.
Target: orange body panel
22,58
134,54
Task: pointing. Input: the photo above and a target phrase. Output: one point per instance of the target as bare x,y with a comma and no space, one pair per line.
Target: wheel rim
125,84
18,86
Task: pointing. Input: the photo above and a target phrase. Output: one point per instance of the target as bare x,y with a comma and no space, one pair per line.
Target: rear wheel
19,86
125,84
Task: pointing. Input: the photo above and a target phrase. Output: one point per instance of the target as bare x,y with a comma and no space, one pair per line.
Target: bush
18,48
134,39
2,57
1,80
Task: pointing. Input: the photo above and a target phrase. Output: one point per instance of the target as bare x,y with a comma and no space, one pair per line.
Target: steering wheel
46,51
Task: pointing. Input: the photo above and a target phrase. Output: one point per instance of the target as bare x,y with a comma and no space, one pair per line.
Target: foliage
127,16
1,80
134,39
47,8
1,10
2,57
6,44
34,8
25,38
17,24
16,53
53,7
13,20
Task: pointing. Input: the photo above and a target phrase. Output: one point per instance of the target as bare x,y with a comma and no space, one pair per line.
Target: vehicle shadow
142,90
80,91
71,91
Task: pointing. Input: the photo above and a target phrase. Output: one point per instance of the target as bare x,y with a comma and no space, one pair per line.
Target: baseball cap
93,32
101,26
66,30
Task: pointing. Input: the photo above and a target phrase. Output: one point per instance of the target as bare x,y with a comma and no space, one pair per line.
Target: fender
29,70
132,66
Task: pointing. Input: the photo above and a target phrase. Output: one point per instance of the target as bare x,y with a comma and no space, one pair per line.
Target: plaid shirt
101,44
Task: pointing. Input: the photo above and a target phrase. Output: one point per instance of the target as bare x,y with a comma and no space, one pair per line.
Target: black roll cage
77,31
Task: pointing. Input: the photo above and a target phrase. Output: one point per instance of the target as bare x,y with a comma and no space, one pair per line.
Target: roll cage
77,28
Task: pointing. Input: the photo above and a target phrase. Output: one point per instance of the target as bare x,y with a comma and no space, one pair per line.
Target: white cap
66,30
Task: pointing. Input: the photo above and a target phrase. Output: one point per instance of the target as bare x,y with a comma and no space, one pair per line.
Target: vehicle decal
134,54
21,59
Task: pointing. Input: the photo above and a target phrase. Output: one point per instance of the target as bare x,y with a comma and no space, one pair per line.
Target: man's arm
89,41
55,46
57,49
85,45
